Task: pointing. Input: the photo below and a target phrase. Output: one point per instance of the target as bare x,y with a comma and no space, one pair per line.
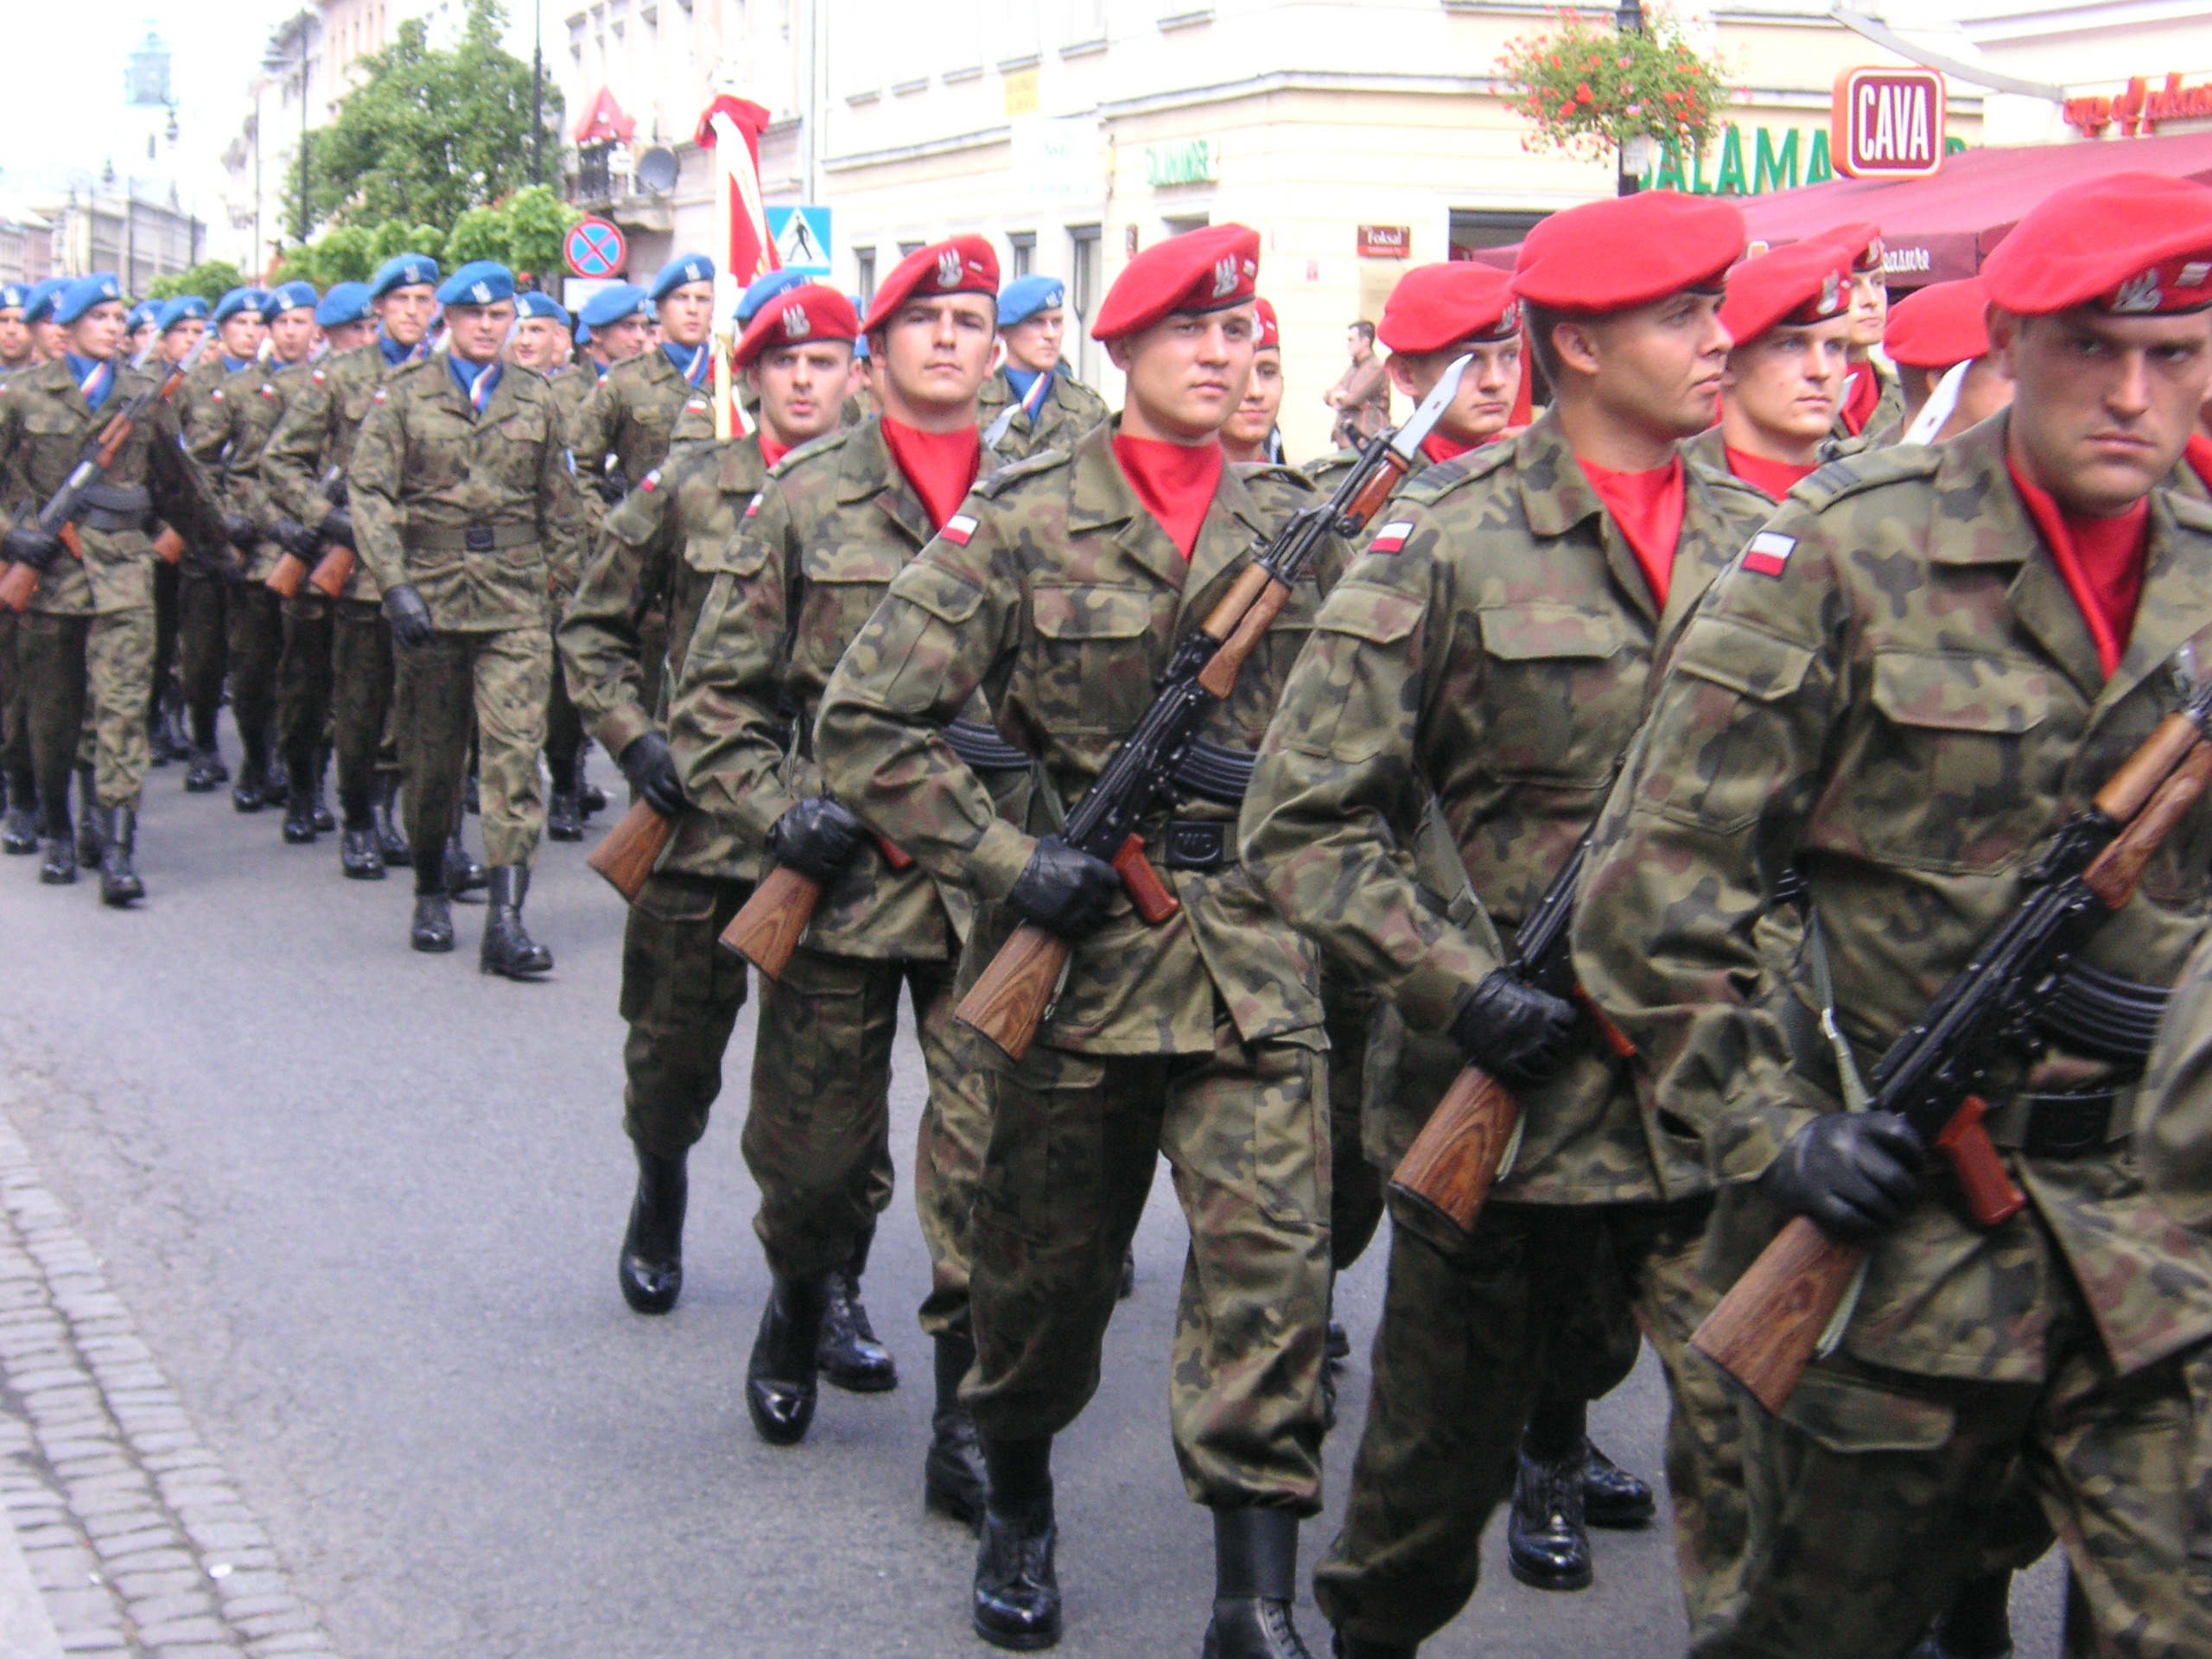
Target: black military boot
472,793
651,1271
59,868
507,949
1017,1596
171,742
299,800
954,1484
1976,1623
1612,1497
433,925
205,772
323,821
779,1380
590,798
247,794
464,874
359,856
1352,1647
383,806
19,836
1545,1543
1255,1582
563,820
1339,1344
275,777
851,1356
119,882
90,841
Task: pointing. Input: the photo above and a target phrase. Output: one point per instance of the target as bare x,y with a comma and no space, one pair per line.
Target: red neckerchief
2101,559
1441,446
941,466
1648,508
1859,403
1775,477
771,451
2199,456
1175,482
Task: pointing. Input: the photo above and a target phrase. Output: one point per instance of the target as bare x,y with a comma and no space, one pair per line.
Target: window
1083,295
1186,223
864,274
1024,247
1472,230
907,248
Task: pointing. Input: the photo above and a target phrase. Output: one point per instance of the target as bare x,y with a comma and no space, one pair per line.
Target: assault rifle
58,517
1469,1139
1017,990
335,568
292,567
1769,1326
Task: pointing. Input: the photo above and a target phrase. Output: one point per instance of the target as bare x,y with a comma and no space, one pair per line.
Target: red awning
604,122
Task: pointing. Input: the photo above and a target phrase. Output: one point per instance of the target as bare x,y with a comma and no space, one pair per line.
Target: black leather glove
409,616
1854,1173
337,526
335,490
611,487
241,532
1063,890
818,838
29,544
651,772
296,539
1514,1031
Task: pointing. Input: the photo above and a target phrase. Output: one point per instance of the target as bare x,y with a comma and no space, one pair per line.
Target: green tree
523,233
210,281
351,253
432,132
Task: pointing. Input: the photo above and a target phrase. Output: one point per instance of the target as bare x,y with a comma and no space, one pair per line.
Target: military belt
113,507
2058,1126
471,538
1194,844
983,749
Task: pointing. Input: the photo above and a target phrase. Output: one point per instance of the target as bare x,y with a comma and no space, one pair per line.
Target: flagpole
725,283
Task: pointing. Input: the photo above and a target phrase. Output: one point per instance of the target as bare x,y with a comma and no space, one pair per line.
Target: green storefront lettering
1774,163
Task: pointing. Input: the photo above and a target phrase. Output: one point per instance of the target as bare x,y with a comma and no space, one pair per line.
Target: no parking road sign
595,248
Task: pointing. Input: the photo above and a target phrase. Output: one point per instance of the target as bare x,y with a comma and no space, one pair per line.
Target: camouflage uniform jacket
572,388
45,424
816,551
227,431
429,474
1070,410
1498,649
664,544
316,432
630,415
1063,604
1889,408
1896,693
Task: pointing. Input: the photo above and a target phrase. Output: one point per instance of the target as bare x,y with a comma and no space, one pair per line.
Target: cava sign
1888,124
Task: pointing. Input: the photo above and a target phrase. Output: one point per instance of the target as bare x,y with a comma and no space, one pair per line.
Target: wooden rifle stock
1766,1328
630,849
334,571
19,582
168,546
769,925
1007,1004
284,580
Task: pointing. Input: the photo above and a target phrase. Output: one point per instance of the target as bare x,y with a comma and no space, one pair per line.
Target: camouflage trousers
1878,1491
564,731
255,646
203,631
501,678
66,661
15,728
335,682
1074,1140
818,1131
680,994
1348,1012
1466,1343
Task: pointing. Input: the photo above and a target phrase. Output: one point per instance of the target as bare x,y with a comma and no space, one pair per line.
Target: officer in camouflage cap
1495,649
1928,660
1060,590
1032,401
467,515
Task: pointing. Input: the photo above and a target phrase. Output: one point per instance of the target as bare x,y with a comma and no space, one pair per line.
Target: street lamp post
1629,19
537,91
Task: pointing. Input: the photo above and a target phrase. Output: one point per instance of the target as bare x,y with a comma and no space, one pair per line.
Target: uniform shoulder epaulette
2192,511
1720,478
1431,484
1043,462
411,371
1851,475
833,439
1273,472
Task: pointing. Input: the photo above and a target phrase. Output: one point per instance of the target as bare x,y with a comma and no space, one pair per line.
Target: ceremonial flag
731,128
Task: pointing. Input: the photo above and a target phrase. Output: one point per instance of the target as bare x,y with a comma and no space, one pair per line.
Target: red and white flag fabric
751,250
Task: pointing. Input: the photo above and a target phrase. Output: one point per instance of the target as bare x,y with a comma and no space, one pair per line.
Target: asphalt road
364,1206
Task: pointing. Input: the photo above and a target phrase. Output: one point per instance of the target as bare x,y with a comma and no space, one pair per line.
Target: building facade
2120,65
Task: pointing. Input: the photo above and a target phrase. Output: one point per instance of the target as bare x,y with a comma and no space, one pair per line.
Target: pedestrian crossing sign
801,239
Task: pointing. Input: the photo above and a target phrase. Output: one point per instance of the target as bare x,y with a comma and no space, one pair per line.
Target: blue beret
239,300
613,304
764,288
346,302
405,271
38,304
480,282
82,295
691,267
183,308
582,334
12,295
542,305
287,296
1025,297
145,312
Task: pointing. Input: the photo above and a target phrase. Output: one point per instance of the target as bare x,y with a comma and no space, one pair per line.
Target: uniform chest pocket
355,406
1950,773
1562,686
734,551
845,581
1093,671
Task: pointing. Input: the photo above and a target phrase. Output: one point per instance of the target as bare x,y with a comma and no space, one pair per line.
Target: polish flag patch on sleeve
651,481
752,506
1769,553
1392,537
957,529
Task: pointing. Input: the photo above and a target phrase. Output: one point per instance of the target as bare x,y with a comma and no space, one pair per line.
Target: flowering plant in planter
1587,87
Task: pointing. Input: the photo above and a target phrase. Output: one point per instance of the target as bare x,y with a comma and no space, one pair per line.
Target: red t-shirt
2101,559
941,466
1175,482
1858,401
1775,477
1648,508
1441,446
771,451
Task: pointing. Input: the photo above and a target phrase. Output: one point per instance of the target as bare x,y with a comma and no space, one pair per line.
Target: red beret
2130,243
807,312
1862,241
1628,251
1436,306
1944,323
961,264
1270,329
1207,269
1804,282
